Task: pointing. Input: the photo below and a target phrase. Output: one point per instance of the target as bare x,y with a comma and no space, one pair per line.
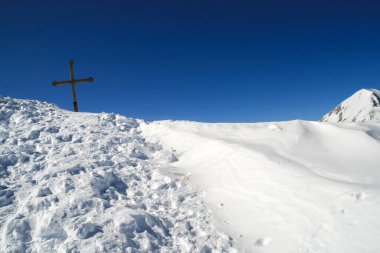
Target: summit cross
72,81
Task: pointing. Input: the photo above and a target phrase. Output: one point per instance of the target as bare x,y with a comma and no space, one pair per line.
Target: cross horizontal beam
90,79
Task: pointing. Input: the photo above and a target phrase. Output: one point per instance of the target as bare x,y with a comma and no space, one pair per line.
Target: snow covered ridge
363,106
81,182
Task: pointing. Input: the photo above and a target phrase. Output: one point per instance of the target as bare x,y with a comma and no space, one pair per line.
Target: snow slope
80,182
292,186
363,106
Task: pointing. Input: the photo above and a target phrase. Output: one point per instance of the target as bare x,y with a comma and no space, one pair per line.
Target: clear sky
215,61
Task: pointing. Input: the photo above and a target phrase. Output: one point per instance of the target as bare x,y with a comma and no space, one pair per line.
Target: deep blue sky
230,61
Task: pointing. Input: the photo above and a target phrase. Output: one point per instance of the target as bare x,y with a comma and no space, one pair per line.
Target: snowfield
81,182
293,186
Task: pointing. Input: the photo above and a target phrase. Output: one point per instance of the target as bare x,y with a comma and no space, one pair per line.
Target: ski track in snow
80,182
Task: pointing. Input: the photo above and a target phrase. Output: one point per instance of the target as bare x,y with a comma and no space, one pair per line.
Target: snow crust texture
80,182
363,106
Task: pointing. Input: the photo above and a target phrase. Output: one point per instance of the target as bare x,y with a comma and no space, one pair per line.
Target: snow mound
81,182
363,106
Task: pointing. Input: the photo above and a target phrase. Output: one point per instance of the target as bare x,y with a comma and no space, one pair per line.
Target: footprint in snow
68,185
87,230
359,195
52,130
35,134
6,196
3,136
43,192
76,170
64,138
262,242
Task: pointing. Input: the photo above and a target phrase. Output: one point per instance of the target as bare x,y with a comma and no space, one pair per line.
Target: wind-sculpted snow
79,182
286,187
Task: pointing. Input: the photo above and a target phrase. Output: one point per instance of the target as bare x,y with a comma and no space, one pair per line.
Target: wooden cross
72,81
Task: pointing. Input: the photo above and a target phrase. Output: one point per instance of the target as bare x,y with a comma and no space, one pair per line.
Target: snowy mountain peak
363,106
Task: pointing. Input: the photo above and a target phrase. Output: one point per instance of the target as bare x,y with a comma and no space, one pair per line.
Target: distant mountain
363,106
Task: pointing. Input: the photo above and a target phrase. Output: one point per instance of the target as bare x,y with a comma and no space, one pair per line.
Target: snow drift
363,106
286,187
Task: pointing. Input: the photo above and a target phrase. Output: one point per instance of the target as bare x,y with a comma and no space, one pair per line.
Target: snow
81,182
294,186
363,106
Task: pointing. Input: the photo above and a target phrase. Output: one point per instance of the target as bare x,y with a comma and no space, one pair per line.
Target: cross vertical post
73,81
71,63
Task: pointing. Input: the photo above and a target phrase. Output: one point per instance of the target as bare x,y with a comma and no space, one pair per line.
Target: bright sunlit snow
293,186
81,182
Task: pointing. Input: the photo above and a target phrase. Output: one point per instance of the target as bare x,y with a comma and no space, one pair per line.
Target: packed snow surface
80,182
284,187
363,106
